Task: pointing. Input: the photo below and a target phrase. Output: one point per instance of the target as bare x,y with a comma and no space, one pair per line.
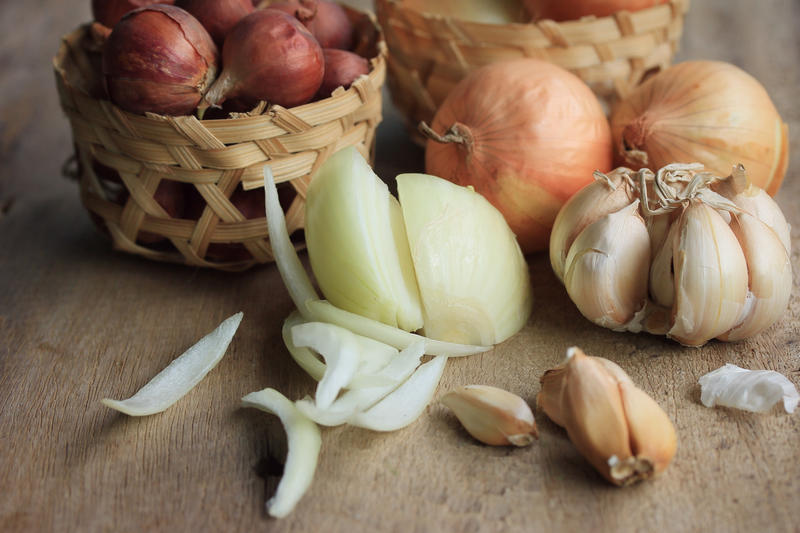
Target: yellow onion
706,111
527,135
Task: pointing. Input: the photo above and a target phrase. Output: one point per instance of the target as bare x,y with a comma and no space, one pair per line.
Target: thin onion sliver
301,355
406,403
291,269
304,442
358,400
751,390
326,312
181,375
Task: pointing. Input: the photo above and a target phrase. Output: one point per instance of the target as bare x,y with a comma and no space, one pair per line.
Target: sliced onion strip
181,375
303,440
291,269
406,403
354,401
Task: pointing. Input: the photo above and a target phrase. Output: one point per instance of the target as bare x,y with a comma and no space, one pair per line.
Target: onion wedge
354,401
181,375
304,441
406,403
751,390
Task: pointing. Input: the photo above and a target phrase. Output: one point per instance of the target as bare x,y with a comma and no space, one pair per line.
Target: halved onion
472,276
181,375
303,440
357,243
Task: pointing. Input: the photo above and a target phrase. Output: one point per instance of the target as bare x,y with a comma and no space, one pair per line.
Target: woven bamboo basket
429,54
132,167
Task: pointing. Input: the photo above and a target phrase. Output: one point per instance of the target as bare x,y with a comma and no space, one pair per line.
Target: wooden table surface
79,322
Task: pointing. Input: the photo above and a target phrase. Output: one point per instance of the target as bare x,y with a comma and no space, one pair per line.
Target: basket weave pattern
213,156
429,54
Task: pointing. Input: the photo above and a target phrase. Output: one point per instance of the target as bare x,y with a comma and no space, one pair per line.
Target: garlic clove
607,268
616,426
710,276
492,415
662,278
770,277
757,202
599,198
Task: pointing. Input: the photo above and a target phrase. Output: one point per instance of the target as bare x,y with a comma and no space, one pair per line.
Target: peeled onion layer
357,243
311,307
750,390
406,403
357,400
304,442
472,276
181,375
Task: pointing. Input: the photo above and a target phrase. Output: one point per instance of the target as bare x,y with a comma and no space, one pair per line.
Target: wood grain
79,322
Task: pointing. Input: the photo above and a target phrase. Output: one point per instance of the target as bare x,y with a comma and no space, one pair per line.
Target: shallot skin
109,12
159,59
327,21
341,69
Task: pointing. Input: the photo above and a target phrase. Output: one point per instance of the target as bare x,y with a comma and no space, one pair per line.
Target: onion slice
400,339
354,401
304,441
751,390
406,403
181,375
294,275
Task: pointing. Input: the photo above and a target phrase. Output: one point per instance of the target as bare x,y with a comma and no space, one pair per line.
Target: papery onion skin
560,10
109,12
217,16
532,133
341,69
159,59
703,111
269,56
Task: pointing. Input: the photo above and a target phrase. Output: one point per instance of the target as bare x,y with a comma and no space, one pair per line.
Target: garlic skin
751,390
493,416
769,277
616,426
606,276
599,198
710,276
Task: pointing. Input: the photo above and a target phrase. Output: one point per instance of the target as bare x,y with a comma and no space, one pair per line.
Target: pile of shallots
165,58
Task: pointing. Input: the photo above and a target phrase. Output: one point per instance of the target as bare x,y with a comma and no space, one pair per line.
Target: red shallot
217,16
527,135
159,59
108,12
341,69
269,56
327,21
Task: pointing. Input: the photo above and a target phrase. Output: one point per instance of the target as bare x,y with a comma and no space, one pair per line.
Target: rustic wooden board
79,322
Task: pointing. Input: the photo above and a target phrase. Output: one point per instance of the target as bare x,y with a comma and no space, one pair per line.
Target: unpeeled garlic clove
493,416
755,201
596,200
662,278
607,268
710,276
769,274
617,427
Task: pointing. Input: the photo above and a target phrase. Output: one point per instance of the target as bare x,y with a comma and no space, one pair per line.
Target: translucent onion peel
181,375
406,403
304,441
357,243
472,276
357,400
751,390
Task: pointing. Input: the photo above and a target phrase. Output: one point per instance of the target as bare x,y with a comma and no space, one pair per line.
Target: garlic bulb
691,255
